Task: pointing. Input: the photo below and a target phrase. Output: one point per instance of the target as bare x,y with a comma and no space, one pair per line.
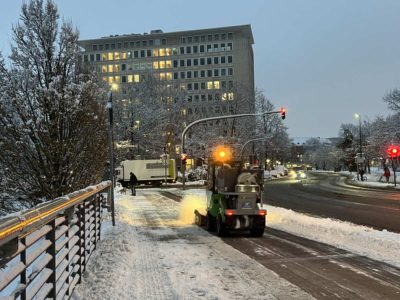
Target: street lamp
110,149
359,158
137,127
357,116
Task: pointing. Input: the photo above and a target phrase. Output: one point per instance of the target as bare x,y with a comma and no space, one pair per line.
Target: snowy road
154,253
326,195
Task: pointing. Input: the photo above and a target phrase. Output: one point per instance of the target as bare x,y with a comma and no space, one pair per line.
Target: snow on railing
44,250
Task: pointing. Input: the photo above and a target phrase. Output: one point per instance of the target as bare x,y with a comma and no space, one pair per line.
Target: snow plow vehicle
234,197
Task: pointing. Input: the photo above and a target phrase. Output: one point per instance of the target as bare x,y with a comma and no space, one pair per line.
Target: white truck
147,171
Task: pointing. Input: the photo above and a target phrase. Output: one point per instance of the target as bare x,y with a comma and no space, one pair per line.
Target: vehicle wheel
257,232
221,228
210,222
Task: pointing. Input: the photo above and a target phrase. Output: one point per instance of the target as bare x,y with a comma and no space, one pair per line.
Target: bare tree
393,100
52,128
150,117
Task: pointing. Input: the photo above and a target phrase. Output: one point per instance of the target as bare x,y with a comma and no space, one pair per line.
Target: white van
147,171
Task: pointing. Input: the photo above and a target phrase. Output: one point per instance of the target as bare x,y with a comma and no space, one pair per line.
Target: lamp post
110,149
359,157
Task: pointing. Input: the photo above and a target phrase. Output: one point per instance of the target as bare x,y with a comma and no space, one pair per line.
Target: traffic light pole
183,166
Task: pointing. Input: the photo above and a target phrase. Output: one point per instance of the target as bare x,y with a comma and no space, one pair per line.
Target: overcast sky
322,60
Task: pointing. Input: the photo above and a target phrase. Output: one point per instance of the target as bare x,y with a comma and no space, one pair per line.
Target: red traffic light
184,157
393,151
283,113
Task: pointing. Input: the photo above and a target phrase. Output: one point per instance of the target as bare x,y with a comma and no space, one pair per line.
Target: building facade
208,64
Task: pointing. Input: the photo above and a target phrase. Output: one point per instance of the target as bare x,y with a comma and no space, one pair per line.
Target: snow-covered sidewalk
154,252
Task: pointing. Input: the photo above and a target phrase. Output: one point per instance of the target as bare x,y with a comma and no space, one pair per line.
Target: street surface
326,195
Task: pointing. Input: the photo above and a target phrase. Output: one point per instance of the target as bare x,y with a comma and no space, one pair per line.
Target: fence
44,251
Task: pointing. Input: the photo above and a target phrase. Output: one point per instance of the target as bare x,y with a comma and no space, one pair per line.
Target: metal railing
44,251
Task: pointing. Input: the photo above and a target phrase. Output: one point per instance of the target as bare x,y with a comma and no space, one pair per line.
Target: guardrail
44,251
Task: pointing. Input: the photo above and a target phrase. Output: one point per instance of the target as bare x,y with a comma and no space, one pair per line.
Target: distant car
298,174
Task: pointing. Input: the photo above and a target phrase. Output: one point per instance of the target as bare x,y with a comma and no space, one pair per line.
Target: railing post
24,280
67,257
51,236
97,222
82,239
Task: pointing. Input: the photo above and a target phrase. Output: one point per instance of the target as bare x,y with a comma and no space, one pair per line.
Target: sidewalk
154,252
374,180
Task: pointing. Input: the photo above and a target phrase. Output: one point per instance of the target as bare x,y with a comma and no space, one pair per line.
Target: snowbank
379,245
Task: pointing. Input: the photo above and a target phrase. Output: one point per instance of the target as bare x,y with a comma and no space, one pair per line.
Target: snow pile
380,245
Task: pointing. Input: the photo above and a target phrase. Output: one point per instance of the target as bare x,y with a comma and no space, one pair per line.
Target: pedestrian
386,173
133,181
362,172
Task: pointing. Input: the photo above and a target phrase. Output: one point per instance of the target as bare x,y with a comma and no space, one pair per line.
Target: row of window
203,73
165,64
202,61
131,44
157,52
211,109
210,37
157,42
227,96
169,75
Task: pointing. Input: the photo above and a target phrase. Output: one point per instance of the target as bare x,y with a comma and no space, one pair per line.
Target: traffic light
393,151
184,158
283,113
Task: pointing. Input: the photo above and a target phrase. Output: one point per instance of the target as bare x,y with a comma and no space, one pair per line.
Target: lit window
104,68
162,64
155,65
136,78
130,78
118,79
227,96
110,79
162,52
105,78
168,52
169,75
155,52
110,56
168,64
104,56
116,55
216,85
117,68
162,76
110,68
209,85
123,55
